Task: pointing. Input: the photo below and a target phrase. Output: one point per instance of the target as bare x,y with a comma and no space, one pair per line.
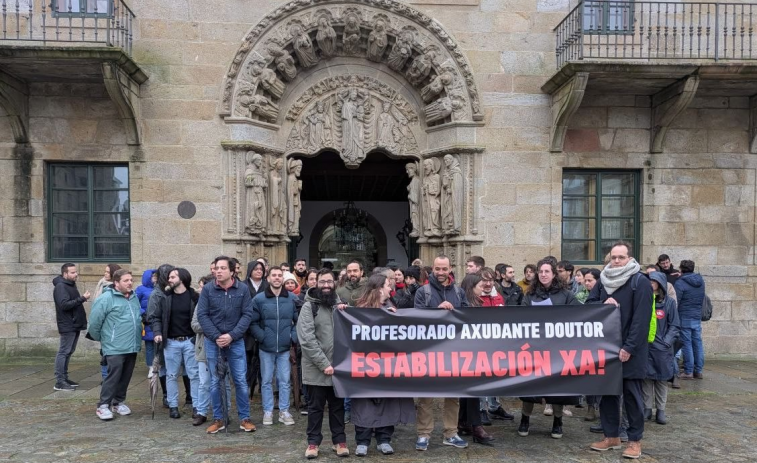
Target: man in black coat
71,319
622,284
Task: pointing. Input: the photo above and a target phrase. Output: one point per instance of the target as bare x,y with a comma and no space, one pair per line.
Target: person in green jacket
115,322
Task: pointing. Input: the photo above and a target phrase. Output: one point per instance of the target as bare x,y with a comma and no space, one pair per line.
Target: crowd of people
270,320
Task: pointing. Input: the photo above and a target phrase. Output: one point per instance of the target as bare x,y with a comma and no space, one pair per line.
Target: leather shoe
676,382
194,413
480,436
173,412
198,420
501,414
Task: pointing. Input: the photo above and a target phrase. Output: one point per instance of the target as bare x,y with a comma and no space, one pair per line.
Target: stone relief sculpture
452,195
267,79
421,67
377,41
255,183
294,189
303,47
352,111
439,109
414,197
401,51
318,127
431,197
326,37
386,126
351,35
284,62
277,202
436,86
260,106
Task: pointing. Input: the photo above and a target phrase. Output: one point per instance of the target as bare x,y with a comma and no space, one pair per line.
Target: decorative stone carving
431,197
351,105
303,46
351,37
256,184
318,128
440,109
421,67
401,50
377,41
267,79
259,105
452,195
284,62
294,189
414,197
278,222
436,86
326,37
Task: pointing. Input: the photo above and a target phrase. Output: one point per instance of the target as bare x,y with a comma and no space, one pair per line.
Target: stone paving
710,420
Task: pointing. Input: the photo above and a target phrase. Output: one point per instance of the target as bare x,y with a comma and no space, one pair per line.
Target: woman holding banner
547,289
378,416
469,417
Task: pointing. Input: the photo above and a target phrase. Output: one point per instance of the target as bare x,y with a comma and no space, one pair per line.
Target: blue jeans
149,353
203,390
280,362
235,355
176,353
693,349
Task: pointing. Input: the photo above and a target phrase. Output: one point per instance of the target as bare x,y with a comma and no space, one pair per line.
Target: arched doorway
347,234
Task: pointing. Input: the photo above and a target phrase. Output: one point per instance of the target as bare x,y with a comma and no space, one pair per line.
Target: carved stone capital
565,103
667,105
124,91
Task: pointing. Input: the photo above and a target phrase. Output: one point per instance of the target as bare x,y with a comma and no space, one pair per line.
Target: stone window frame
597,237
91,236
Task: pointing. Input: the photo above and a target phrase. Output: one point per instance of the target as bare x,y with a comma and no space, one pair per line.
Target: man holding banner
623,285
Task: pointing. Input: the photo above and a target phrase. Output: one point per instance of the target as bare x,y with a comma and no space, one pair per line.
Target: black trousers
469,412
633,401
318,396
120,369
383,435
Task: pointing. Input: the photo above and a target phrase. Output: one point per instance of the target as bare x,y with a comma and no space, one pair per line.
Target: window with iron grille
88,212
598,209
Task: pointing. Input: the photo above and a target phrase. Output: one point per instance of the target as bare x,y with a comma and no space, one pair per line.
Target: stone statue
386,126
414,197
294,189
260,105
377,41
421,67
431,197
278,199
452,197
351,35
353,123
303,47
326,37
256,184
439,109
267,79
435,87
319,126
401,51
284,62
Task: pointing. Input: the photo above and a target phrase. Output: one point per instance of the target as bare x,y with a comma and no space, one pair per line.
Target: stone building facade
202,115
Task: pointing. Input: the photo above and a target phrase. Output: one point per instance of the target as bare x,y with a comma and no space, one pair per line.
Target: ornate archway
352,76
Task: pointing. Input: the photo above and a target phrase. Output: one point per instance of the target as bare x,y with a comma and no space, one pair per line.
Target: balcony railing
68,22
641,30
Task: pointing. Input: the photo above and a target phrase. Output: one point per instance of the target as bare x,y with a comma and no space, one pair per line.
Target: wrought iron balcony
602,30
67,22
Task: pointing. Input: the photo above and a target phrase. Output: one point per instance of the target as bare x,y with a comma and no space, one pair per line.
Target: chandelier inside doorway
350,228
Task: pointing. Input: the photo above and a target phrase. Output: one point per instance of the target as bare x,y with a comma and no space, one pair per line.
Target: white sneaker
548,410
267,418
150,373
122,409
567,412
104,413
286,418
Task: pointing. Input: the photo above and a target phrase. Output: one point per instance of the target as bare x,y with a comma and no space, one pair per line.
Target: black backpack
706,308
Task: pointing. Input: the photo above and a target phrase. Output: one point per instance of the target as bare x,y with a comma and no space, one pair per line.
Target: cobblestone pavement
710,420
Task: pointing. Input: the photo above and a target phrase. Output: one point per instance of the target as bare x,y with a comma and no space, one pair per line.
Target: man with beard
511,291
301,272
352,291
440,292
623,285
666,267
71,319
315,331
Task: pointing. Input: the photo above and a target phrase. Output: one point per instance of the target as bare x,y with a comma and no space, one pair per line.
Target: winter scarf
615,277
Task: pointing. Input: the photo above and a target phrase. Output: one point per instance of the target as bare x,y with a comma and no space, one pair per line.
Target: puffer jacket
143,294
274,320
224,311
690,291
512,294
116,323
316,336
557,296
69,306
660,366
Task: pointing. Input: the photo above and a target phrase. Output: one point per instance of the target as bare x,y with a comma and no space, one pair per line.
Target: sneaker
557,428
676,382
567,412
104,413
525,422
597,428
63,386
122,409
341,449
304,411
347,417
150,373
385,448
198,420
311,452
608,443
361,450
421,444
215,426
247,426
267,418
686,376
72,383
548,410
501,414
286,418
455,441
633,450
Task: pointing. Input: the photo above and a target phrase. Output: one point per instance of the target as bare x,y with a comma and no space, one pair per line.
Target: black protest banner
478,351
